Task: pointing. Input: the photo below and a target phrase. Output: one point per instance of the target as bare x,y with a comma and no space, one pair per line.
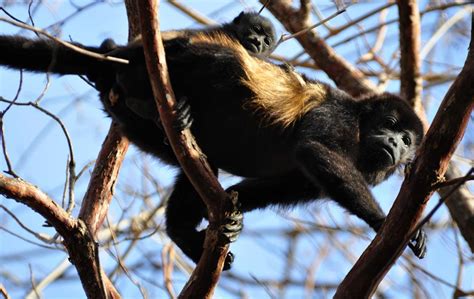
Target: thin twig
10,170
192,13
443,29
441,201
263,6
51,277
453,181
374,28
72,162
28,240
33,283
286,37
39,236
4,292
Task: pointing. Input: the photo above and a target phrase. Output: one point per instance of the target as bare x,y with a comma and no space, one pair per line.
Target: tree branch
202,282
351,80
76,237
429,167
95,205
410,79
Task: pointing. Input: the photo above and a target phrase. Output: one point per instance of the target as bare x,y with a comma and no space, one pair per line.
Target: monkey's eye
407,140
389,122
258,29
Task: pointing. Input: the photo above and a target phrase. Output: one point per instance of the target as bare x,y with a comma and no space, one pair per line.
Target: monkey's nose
256,42
392,141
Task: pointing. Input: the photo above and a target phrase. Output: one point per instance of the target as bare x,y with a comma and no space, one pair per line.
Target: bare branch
192,13
4,292
99,193
434,155
77,239
286,37
410,81
204,278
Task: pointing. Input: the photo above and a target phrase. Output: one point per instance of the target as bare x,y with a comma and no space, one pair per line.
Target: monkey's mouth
389,153
253,46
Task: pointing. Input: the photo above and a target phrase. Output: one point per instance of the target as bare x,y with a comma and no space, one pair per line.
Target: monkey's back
233,135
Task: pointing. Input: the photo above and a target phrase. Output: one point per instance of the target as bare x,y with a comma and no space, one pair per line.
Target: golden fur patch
280,94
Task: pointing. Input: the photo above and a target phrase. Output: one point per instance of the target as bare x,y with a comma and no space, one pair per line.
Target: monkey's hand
233,225
418,243
184,119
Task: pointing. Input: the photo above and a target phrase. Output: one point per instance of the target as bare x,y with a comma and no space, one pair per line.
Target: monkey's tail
43,55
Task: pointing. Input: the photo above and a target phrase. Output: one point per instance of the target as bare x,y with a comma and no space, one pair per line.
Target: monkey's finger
184,119
229,259
418,244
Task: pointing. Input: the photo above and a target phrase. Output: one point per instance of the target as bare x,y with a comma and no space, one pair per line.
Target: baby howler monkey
254,32
292,139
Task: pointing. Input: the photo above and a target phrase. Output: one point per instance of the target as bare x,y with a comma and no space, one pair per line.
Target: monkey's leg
185,211
287,190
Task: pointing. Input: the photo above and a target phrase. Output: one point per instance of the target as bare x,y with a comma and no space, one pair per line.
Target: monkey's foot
184,119
229,259
232,227
418,243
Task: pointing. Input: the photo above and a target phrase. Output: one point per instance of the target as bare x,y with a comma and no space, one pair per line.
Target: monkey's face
255,33
390,133
390,147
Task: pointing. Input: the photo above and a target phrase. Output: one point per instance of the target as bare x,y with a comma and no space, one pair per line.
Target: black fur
255,32
335,150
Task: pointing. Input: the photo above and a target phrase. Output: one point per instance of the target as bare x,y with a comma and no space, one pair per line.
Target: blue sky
38,151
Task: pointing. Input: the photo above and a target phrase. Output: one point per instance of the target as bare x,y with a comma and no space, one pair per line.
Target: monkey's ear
238,18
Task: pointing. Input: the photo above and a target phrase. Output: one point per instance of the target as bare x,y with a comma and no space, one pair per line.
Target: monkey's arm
340,180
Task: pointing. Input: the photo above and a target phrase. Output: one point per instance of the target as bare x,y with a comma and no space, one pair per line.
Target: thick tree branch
99,193
429,167
76,237
202,282
410,79
95,205
351,80
460,207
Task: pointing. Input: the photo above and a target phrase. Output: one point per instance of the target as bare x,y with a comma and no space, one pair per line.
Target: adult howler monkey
292,139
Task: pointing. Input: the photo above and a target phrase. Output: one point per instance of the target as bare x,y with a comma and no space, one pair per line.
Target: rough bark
205,276
77,239
428,168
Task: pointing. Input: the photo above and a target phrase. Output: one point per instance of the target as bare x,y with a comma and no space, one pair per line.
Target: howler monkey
255,32
292,139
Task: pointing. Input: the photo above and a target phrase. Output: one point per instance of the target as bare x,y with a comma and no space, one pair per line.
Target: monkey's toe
233,226
418,244
229,259
184,119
